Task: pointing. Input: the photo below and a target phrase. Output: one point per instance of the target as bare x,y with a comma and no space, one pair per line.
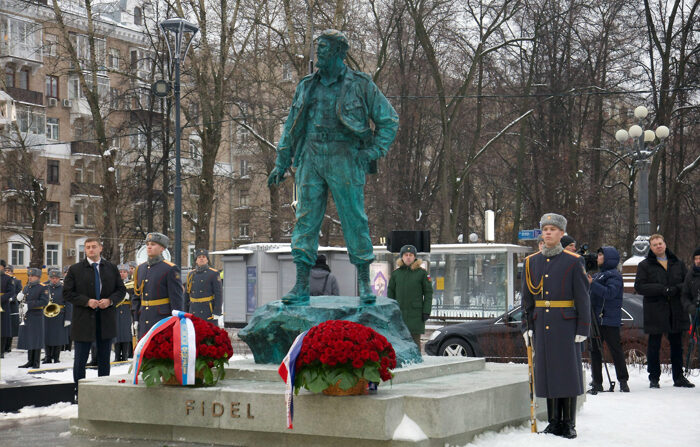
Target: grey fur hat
34,272
158,238
408,249
557,220
124,267
201,252
54,273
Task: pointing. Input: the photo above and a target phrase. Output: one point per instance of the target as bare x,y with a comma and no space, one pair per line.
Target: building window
12,211
138,16
23,79
90,216
194,148
114,98
10,76
243,198
243,229
244,168
287,72
114,141
190,256
78,215
114,57
17,253
53,213
31,120
52,86
52,129
52,172
51,45
78,174
52,252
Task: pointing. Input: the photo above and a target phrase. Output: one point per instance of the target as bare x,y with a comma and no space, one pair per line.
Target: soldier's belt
330,135
156,302
206,299
548,303
35,308
123,303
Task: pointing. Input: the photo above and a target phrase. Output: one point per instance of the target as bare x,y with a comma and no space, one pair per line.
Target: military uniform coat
155,282
7,292
411,287
204,284
79,288
54,328
558,371
14,307
124,318
31,333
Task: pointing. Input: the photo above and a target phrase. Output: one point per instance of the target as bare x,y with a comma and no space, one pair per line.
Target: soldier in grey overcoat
203,295
557,320
122,344
158,288
31,334
55,335
7,292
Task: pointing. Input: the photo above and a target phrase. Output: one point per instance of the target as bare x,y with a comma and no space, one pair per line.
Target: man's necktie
96,266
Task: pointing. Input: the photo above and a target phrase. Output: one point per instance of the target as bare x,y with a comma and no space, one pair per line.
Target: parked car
500,339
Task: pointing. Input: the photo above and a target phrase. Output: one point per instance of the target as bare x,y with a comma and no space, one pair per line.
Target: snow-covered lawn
642,418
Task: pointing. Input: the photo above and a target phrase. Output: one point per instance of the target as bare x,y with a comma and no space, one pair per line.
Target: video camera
590,259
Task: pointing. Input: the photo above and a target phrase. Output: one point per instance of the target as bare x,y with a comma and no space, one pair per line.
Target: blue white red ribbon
184,346
287,371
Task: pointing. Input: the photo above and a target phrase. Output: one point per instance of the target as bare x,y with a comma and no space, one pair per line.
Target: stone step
441,401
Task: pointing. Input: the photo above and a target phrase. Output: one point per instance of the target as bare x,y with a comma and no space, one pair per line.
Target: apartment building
40,92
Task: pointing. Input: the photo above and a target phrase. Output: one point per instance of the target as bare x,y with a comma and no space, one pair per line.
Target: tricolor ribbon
184,346
287,371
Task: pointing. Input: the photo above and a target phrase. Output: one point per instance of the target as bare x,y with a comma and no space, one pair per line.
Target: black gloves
671,291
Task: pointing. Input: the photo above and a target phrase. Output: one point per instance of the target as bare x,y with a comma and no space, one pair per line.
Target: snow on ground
643,418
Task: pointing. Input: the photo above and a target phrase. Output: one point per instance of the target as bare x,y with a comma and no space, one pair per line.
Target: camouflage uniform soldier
557,313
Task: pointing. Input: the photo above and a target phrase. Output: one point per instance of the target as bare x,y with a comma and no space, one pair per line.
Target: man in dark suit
94,288
7,292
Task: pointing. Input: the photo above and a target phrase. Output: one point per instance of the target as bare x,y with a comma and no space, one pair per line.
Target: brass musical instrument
52,309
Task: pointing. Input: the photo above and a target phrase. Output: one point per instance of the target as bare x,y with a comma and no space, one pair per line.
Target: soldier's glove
219,320
527,335
24,308
580,338
276,176
425,317
671,291
135,329
20,296
66,323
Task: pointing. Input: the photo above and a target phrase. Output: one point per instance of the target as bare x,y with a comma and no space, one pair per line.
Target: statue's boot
363,286
299,295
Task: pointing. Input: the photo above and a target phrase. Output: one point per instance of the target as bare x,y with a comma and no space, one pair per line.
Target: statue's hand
276,177
369,154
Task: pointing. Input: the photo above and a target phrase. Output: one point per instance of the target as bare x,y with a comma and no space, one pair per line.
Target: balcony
21,53
26,96
84,147
85,189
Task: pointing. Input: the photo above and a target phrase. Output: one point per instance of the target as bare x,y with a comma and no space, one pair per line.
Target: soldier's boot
363,286
569,418
56,354
36,359
47,354
299,295
3,344
30,360
554,418
8,344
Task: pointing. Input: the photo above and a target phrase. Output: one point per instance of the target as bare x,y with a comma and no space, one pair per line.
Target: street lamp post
177,29
639,144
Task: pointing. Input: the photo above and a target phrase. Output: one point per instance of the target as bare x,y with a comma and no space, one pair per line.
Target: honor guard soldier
122,345
7,293
203,289
556,319
157,286
33,299
14,306
57,317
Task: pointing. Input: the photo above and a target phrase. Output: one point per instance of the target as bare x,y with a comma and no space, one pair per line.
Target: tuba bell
52,310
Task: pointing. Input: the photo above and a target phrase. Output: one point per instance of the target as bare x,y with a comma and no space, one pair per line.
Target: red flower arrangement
213,352
341,353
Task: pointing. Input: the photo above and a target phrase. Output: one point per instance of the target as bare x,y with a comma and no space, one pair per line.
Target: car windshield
515,315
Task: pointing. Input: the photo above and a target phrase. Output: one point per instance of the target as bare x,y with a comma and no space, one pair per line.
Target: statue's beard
330,66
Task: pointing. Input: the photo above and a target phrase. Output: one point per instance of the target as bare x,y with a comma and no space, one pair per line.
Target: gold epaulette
171,264
575,255
536,253
213,269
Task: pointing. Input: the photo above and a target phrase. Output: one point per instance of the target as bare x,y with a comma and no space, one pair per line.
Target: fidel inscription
218,409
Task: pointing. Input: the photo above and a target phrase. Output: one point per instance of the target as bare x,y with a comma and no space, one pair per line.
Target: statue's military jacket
55,333
157,292
556,306
360,101
31,333
203,295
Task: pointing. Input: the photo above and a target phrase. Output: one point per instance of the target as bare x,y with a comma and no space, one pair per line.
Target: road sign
529,235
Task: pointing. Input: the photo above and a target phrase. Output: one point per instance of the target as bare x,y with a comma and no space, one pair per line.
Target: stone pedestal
438,402
274,326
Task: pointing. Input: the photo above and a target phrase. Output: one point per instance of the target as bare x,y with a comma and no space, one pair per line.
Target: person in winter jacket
660,278
606,305
410,285
321,280
690,295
